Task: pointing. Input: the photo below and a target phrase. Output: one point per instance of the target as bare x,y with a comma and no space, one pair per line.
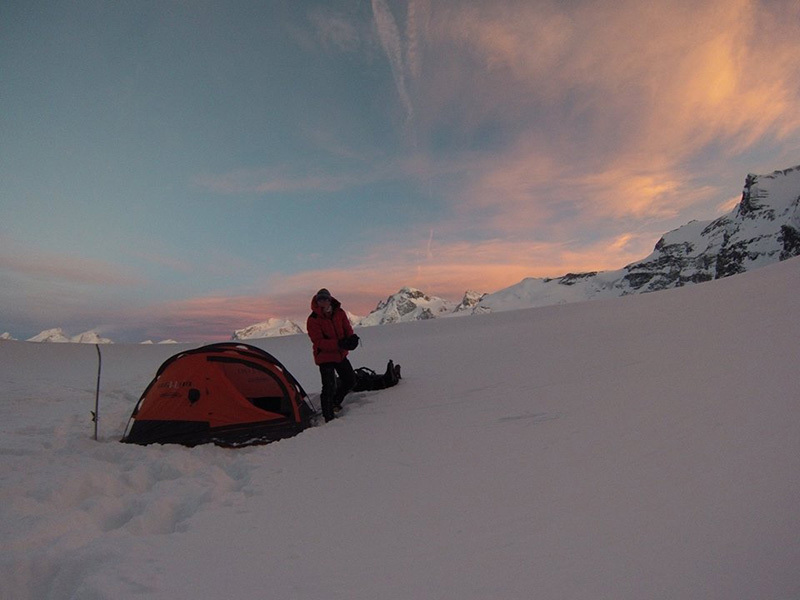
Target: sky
182,169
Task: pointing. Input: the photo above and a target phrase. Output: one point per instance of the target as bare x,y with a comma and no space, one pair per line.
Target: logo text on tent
175,385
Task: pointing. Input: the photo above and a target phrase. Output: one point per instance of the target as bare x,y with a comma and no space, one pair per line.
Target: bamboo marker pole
96,413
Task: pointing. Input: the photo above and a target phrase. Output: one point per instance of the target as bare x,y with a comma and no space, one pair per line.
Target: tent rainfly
230,394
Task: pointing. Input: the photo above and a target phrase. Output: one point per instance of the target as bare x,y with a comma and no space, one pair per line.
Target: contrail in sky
393,46
412,51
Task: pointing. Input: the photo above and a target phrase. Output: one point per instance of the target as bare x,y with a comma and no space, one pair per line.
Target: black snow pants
335,389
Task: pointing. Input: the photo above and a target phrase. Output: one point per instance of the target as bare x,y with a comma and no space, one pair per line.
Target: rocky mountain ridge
409,304
762,229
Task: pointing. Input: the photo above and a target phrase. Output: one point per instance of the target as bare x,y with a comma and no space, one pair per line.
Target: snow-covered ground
646,447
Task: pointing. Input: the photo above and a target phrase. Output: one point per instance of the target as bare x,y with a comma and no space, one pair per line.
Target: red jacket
325,332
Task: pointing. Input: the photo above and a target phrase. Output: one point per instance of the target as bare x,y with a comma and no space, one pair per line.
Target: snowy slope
645,447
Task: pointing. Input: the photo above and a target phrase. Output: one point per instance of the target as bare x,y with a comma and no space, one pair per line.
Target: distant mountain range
57,335
409,304
762,229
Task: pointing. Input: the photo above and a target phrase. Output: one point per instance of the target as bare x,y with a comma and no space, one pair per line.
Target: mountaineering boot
338,400
327,409
390,377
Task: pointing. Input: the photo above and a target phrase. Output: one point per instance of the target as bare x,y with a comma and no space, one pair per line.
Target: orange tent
231,394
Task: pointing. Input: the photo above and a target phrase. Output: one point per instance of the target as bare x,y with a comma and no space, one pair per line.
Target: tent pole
96,413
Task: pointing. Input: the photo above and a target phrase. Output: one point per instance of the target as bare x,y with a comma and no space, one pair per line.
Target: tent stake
96,413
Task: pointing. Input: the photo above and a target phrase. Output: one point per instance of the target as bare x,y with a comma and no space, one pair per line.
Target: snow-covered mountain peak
772,195
408,304
411,292
89,337
272,327
468,303
57,335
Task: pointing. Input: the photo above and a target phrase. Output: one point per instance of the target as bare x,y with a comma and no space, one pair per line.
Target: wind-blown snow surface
641,447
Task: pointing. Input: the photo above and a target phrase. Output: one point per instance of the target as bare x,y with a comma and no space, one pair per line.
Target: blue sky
184,168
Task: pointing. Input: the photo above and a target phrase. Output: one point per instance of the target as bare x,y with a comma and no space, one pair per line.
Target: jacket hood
318,309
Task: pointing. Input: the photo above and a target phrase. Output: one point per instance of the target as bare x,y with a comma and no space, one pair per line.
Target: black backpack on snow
368,380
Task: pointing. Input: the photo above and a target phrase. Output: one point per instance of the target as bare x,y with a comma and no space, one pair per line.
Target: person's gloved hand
349,343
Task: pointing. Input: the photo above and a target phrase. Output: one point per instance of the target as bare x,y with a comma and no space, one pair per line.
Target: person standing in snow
332,335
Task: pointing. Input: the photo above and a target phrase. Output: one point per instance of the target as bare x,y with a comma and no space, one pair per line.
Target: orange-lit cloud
683,71
612,99
643,195
727,205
